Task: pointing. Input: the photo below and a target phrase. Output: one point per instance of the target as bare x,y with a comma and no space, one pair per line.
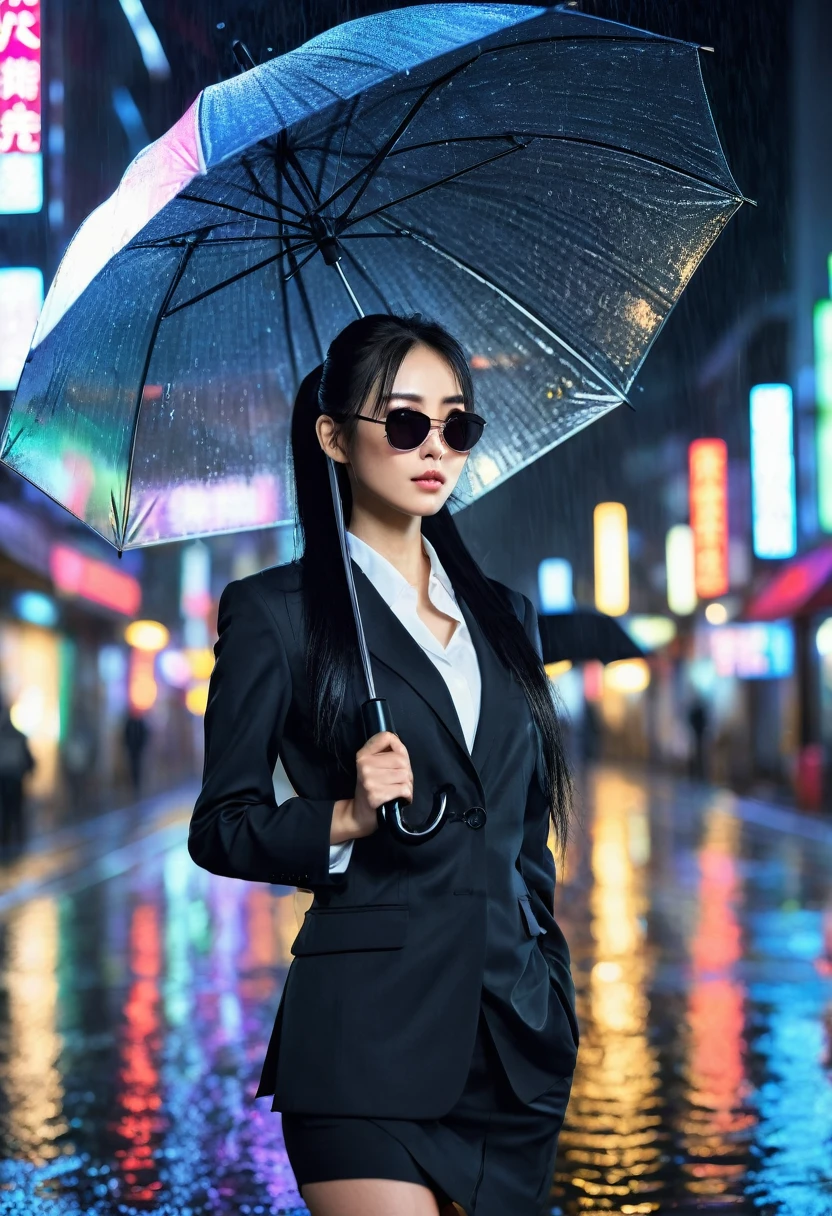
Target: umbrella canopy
583,635
542,182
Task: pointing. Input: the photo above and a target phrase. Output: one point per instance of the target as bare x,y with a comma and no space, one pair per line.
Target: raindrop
220,25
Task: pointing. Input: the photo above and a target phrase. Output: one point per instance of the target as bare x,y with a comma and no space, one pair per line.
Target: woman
425,1041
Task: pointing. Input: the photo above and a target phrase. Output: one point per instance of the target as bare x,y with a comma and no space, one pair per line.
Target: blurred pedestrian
698,722
590,733
136,736
15,762
78,759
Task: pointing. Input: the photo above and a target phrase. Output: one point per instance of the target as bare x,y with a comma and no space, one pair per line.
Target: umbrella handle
377,717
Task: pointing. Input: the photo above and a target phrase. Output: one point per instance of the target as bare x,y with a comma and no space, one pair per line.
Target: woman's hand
383,773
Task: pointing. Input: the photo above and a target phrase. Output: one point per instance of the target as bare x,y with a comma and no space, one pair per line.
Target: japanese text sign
708,464
20,76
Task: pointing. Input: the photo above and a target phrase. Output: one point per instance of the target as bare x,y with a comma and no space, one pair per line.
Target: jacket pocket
533,926
334,930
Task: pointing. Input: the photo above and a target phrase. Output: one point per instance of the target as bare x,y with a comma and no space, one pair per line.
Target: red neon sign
796,590
708,465
75,574
20,76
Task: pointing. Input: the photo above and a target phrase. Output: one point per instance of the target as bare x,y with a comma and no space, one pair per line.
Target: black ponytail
357,375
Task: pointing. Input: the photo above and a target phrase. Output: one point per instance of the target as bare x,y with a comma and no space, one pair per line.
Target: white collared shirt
456,663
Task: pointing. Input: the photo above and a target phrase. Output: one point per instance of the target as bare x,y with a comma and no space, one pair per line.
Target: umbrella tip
243,55
709,49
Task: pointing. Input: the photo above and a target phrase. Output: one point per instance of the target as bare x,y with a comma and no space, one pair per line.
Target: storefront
62,614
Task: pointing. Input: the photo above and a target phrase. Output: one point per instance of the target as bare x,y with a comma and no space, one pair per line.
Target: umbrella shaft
350,291
342,537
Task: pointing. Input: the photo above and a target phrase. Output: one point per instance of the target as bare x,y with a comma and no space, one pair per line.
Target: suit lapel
392,644
492,675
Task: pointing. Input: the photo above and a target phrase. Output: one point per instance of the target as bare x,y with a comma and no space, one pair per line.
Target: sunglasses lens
462,430
407,429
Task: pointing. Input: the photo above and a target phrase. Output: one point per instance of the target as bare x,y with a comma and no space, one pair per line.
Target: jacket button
475,817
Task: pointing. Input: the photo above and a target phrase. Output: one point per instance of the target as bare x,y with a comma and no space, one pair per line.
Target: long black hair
358,375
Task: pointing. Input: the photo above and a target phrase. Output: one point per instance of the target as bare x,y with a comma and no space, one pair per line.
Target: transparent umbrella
543,182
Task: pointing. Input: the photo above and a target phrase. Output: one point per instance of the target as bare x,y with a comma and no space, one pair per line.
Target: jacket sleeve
537,861
237,829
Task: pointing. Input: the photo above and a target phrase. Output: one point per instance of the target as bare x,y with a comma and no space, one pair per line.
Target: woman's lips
429,482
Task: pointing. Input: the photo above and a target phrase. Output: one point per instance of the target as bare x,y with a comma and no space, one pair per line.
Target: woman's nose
434,441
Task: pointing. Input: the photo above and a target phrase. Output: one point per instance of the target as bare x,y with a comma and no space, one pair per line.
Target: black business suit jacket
395,957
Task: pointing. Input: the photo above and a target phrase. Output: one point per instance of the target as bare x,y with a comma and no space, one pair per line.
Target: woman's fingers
383,741
383,769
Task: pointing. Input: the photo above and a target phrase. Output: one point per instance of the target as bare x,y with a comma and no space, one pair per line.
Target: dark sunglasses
408,429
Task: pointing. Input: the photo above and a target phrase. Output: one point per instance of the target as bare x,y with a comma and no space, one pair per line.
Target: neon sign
681,570
554,582
21,299
823,397
21,162
75,574
612,558
753,651
708,463
772,471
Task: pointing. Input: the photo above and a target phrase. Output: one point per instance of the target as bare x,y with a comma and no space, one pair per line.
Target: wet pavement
137,994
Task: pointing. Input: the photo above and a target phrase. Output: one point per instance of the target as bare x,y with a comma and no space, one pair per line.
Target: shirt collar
390,582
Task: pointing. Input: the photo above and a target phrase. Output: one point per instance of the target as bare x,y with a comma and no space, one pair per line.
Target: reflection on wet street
138,999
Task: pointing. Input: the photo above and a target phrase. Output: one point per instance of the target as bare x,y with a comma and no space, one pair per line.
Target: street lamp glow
201,661
196,698
555,670
146,635
612,559
823,637
650,632
716,614
772,471
627,676
681,570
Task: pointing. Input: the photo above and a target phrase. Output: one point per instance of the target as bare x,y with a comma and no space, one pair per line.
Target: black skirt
492,1154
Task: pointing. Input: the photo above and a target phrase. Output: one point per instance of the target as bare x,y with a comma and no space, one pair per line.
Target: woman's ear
330,438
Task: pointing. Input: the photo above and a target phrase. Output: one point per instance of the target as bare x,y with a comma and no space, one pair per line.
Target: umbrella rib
263,196
210,202
284,290
346,130
307,308
365,278
300,265
292,158
177,238
176,279
219,240
441,182
574,139
373,165
260,192
516,304
170,312
285,158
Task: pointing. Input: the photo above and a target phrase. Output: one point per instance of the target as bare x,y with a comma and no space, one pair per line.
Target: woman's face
417,482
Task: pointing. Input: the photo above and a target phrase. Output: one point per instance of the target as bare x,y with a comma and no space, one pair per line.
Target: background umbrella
544,182
584,635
